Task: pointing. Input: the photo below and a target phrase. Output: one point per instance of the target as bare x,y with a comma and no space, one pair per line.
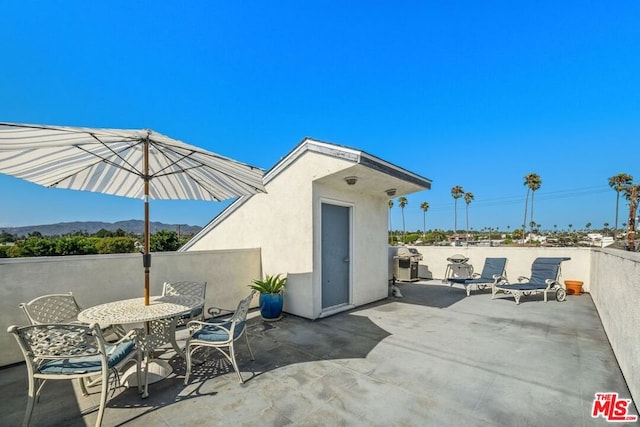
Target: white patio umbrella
130,163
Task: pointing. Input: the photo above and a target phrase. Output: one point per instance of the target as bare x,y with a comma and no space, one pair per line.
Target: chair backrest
546,268
240,315
493,266
43,342
196,289
54,308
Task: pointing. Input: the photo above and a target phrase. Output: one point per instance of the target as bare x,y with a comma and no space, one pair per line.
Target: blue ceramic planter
271,306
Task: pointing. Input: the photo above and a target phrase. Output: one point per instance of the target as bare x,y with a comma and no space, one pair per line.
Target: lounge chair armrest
550,282
499,279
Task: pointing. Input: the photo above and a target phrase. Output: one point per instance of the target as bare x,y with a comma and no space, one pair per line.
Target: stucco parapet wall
616,293
634,256
67,258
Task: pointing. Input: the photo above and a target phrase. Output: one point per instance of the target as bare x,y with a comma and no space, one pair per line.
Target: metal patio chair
67,351
191,288
196,289
61,308
54,308
221,335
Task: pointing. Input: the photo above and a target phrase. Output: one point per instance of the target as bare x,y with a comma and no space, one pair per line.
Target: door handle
345,259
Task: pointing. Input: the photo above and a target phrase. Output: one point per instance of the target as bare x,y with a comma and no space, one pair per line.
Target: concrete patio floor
434,357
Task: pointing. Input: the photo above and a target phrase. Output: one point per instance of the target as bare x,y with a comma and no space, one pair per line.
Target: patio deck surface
434,357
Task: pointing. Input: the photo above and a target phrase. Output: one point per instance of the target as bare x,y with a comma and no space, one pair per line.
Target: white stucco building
323,222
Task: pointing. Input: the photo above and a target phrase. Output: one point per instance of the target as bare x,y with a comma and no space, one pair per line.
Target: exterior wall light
351,180
391,192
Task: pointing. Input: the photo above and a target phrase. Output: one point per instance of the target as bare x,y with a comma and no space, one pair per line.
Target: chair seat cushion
523,286
214,334
80,365
462,281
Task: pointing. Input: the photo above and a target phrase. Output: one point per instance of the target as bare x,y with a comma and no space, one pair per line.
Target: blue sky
476,94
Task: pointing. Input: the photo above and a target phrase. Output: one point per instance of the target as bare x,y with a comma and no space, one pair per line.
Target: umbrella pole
146,258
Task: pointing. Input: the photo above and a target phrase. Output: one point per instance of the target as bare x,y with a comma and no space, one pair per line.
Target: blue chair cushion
461,281
526,286
80,365
545,268
491,266
214,334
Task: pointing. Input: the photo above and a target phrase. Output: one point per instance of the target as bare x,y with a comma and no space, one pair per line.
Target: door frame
349,304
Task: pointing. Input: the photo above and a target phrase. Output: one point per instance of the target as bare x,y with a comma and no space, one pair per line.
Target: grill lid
458,259
408,253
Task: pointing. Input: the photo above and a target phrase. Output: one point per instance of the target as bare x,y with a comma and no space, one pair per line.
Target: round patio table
160,318
134,311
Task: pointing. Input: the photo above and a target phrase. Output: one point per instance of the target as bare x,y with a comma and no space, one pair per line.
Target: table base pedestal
157,371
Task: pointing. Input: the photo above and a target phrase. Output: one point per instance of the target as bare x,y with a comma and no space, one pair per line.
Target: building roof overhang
375,165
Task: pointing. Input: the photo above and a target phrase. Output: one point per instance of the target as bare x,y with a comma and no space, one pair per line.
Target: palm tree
390,228
468,198
402,202
534,182
570,226
632,194
456,193
617,182
526,208
425,207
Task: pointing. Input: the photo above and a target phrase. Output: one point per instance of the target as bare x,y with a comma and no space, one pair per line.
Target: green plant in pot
271,290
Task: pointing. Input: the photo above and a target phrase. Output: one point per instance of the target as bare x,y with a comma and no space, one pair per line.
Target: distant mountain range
91,227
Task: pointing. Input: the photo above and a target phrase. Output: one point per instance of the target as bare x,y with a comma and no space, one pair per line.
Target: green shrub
270,285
